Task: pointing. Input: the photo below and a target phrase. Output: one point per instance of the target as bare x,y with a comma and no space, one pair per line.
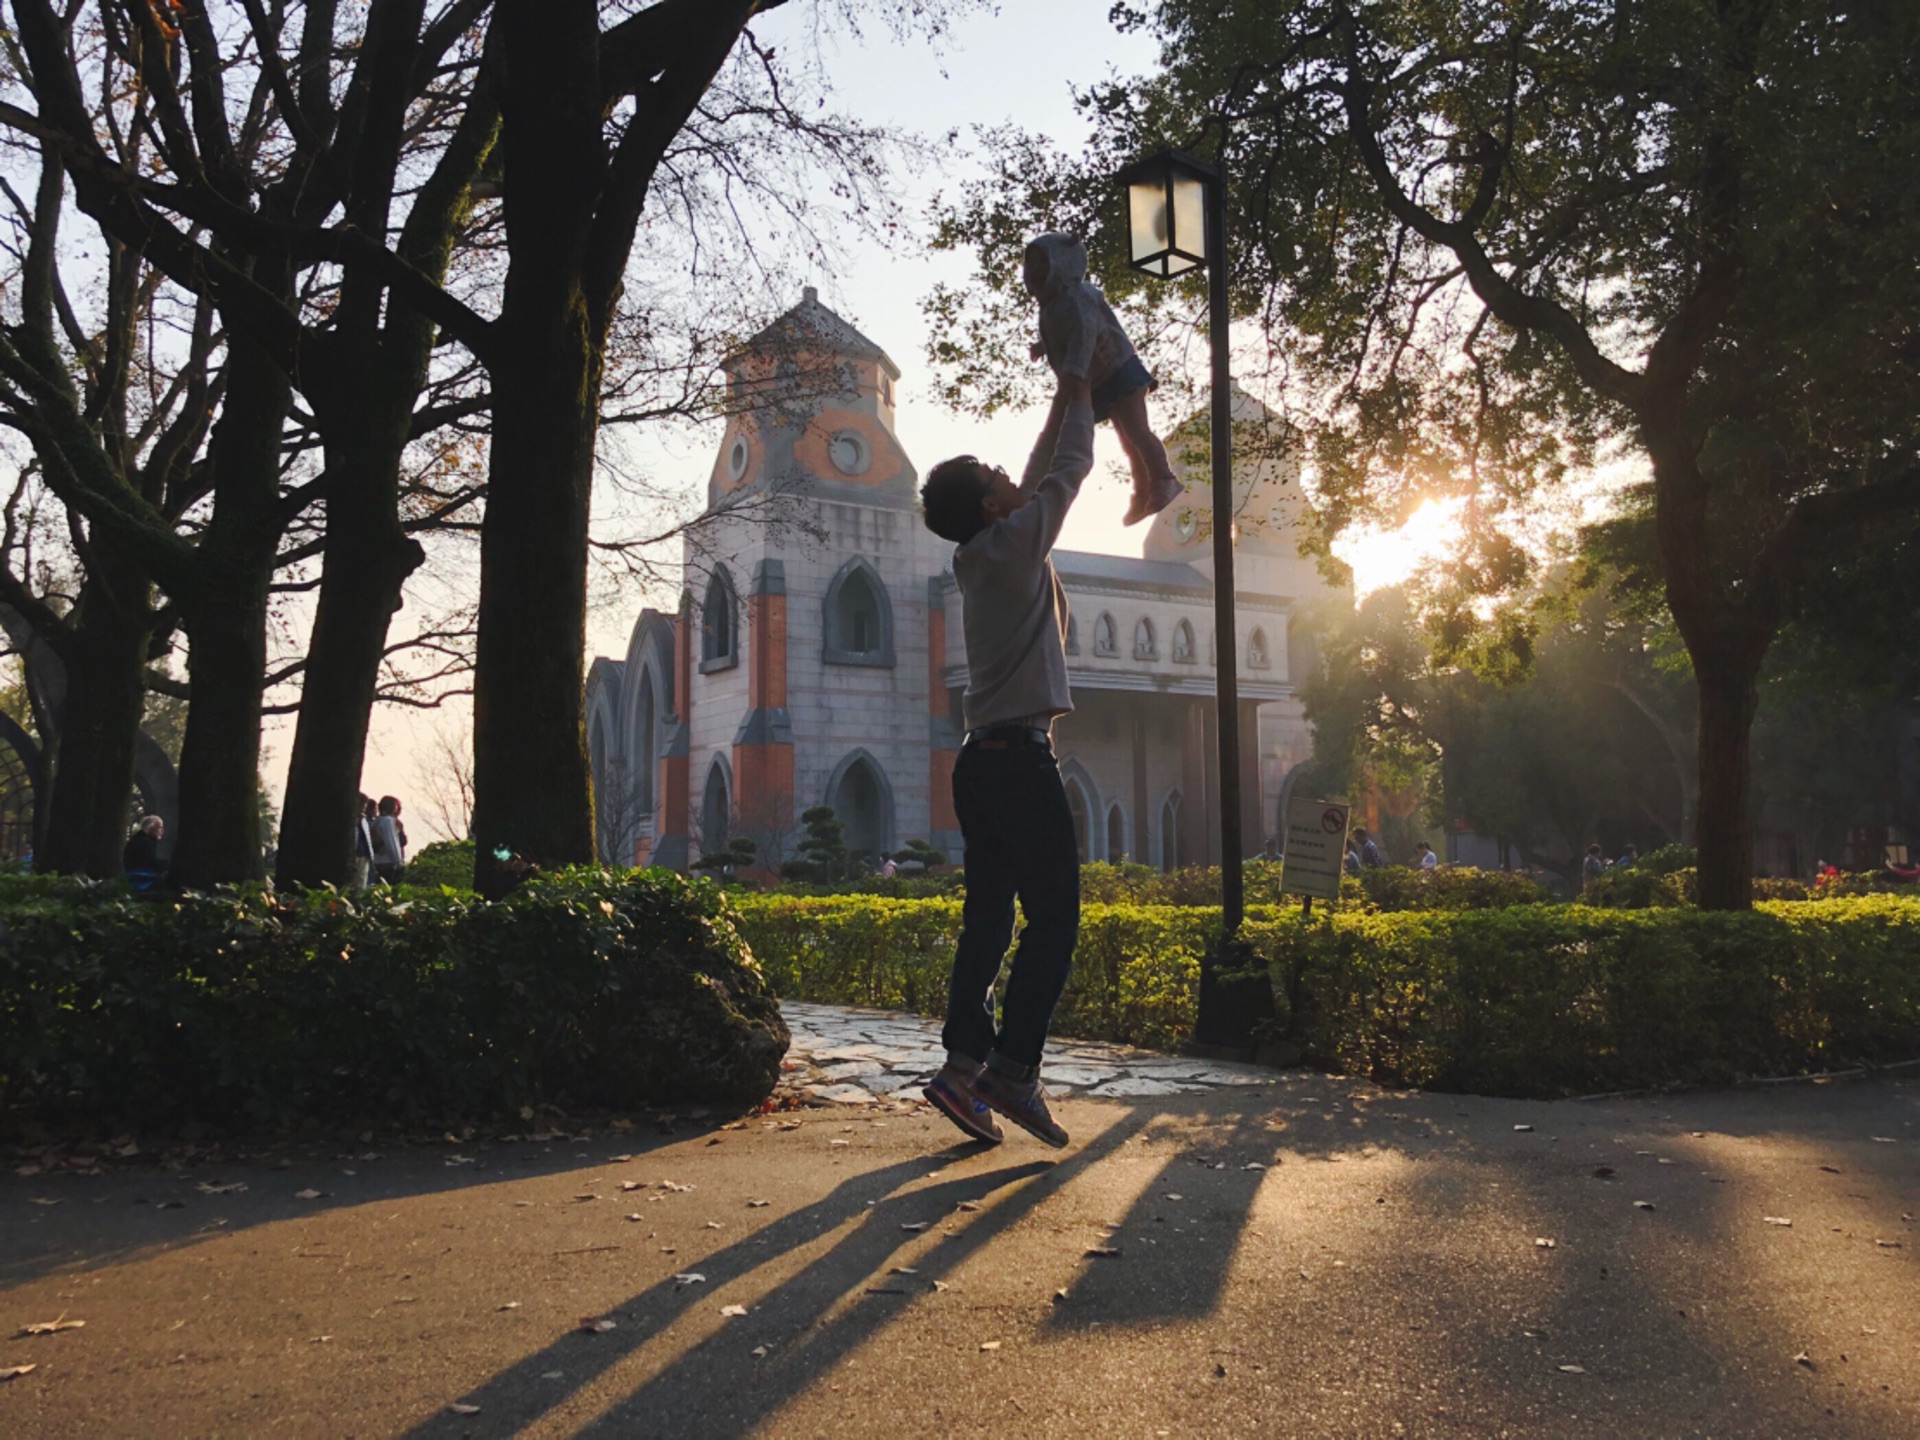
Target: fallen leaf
459,1409
733,1311
208,1187
1831,1169
28,1170
1573,1369
759,1352
1884,1140
633,1184
989,1344
50,1327
1059,1297
1543,1243
1101,1252
42,1200
1643,1205
1253,1165
1523,1128
1888,1244
1171,1196
916,1225
758,1204
967,1205
939,1285
306,1194
509,1305
712,1225
1777,1220
14,1372
690,1277
588,1195
832,1143
634,1216
1602,1172
903,1270
553,1374
673,1187
597,1325
1805,1359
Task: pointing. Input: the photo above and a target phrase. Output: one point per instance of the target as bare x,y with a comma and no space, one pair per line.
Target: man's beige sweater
1015,611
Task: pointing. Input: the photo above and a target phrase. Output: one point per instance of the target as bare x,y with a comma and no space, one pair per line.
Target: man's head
1360,832
154,826
389,805
964,495
1594,850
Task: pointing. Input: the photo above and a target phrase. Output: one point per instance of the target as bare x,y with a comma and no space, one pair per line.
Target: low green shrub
1526,1000
443,864
585,988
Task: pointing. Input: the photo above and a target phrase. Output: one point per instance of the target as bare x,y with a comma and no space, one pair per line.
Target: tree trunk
367,559
225,618
105,658
1729,696
532,795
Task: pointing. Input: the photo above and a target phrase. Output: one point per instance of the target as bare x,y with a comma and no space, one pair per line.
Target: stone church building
821,659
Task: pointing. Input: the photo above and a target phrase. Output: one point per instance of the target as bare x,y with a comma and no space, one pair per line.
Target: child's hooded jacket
1079,332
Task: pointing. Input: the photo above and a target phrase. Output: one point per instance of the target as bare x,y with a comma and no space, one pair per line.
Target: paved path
1311,1257
848,1056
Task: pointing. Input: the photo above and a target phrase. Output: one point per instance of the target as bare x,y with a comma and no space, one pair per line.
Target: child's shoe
951,1093
1023,1102
1160,494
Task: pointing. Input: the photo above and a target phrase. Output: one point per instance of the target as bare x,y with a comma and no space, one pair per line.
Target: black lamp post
1177,222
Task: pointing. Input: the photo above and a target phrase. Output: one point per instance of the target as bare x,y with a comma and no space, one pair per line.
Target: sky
1019,65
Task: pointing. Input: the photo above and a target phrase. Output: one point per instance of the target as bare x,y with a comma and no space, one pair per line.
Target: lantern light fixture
1167,212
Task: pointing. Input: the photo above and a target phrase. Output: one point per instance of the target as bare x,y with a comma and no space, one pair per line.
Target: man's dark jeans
1019,837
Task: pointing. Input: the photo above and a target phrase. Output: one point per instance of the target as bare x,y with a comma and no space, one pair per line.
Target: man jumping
1006,786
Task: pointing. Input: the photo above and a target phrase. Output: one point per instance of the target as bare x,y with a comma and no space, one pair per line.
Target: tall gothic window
1105,641
1144,647
719,624
859,617
1257,650
1183,643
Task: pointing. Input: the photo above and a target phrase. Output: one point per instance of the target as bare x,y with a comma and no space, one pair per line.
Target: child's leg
1154,485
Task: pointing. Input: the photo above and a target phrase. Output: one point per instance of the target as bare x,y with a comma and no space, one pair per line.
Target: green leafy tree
1495,243
824,857
920,852
741,852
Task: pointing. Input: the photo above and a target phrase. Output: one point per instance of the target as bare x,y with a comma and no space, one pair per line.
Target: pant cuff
1011,1069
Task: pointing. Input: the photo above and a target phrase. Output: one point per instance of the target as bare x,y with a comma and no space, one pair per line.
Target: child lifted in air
1080,338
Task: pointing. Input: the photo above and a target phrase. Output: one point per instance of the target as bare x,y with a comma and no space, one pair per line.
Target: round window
849,453
1185,523
737,457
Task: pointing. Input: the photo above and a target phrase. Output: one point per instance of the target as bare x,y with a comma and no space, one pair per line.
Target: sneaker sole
1058,1139
944,1102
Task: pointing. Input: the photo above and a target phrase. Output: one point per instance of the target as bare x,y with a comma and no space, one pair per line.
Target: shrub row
584,989
1528,1000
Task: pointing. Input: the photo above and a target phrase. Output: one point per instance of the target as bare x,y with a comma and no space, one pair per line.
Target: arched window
1105,640
644,749
1257,651
862,801
1117,846
1144,646
716,810
858,621
1073,636
1077,805
1170,831
1183,643
719,624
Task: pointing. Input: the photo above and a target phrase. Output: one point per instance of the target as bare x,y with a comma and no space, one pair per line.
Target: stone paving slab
844,1055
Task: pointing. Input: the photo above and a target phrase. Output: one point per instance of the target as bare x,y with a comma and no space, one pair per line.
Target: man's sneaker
951,1093
1023,1102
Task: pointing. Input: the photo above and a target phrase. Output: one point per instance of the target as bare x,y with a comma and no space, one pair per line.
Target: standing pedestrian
141,857
1369,852
1007,791
1424,857
362,866
1594,866
389,842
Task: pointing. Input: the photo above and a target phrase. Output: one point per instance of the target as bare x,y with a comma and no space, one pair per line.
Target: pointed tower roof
811,325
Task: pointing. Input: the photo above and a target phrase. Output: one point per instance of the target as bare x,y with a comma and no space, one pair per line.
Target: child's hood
1066,257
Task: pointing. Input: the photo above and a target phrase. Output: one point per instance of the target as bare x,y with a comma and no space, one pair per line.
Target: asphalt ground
1312,1258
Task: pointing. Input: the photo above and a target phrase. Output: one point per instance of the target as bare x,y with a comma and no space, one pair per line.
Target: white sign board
1316,848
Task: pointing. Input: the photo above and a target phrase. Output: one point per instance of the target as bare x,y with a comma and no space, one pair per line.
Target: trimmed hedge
583,989
1529,1000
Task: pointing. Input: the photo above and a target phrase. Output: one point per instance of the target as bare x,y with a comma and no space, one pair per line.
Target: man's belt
999,737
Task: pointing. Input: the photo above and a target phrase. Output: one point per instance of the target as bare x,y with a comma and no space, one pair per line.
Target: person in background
1270,850
1628,855
889,869
141,858
1594,866
1825,872
1424,857
1350,862
1369,852
362,866
389,842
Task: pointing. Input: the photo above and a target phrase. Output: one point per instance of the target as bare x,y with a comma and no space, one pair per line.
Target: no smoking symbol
1333,820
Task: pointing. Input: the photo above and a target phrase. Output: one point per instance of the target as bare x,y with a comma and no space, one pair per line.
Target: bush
583,989
443,864
1445,887
1527,1000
